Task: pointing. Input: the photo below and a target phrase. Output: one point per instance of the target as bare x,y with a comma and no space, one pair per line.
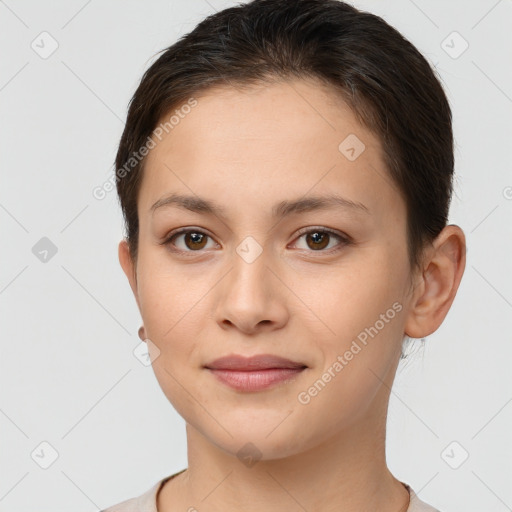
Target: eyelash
344,239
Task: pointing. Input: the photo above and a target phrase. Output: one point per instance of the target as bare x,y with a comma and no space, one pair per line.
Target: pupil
196,238
319,238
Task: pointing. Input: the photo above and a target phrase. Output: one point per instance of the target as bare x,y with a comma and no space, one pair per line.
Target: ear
129,267
438,284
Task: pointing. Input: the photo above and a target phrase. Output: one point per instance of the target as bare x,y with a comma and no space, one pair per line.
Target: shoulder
144,503
417,505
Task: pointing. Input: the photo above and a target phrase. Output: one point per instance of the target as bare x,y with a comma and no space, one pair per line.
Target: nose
252,297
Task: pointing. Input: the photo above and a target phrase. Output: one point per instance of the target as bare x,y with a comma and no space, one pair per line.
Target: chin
250,450
263,440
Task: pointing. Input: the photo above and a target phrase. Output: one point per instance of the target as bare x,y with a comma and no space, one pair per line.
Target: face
321,282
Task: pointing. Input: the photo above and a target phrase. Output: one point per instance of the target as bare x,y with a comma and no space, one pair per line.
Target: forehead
265,141
291,111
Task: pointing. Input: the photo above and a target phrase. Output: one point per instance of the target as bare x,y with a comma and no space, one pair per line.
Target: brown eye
194,240
317,240
187,240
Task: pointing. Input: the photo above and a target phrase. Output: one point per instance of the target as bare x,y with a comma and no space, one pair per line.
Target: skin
248,150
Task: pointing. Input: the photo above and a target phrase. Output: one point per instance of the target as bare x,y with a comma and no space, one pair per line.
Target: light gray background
68,375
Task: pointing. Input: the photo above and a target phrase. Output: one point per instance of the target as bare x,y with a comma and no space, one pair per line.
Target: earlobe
440,281
128,266
142,333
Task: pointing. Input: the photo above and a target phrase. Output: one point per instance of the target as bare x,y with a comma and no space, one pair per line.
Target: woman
285,176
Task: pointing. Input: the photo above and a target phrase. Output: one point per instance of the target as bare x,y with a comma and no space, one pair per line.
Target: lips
253,363
256,373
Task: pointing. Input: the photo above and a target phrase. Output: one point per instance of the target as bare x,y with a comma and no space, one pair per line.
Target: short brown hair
385,80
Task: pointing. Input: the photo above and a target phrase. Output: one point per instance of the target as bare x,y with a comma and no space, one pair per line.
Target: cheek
163,292
168,308
352,297
358,361
174,307
365,316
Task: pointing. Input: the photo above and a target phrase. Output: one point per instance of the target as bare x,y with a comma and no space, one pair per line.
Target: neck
345,473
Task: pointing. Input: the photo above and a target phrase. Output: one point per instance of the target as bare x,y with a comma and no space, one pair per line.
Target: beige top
147,501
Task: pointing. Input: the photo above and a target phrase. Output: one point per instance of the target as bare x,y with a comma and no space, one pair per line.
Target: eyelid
344,238
184,230
312,229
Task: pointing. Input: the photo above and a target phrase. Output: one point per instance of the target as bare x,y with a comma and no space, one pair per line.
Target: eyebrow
199,205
